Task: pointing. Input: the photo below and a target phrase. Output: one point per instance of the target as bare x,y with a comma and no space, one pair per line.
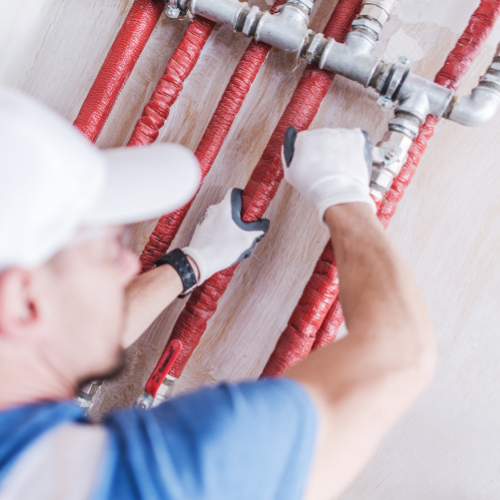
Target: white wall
448,226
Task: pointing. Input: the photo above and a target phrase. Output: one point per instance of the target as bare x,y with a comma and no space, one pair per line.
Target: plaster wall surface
447,227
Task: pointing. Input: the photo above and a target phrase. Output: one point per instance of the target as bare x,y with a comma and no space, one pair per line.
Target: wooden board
448,226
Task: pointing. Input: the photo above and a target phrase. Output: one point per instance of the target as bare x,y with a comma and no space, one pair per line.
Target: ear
18,314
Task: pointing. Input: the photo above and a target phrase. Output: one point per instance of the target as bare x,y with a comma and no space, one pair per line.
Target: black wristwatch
178,260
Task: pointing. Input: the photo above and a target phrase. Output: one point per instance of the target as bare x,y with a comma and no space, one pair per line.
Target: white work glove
329,166
222,239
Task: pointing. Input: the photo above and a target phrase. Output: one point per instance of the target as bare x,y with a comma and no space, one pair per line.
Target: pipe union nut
368,26
393,139
404,126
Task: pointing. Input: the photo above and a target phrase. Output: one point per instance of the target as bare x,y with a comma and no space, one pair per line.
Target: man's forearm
364,383
148,295
377,290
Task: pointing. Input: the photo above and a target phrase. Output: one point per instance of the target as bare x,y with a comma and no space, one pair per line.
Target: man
66,275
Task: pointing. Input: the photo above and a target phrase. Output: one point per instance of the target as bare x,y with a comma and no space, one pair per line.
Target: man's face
83,303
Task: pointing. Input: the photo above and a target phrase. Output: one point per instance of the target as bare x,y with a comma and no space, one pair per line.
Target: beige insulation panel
447,227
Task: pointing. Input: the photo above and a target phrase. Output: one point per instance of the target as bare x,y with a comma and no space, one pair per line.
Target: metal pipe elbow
475,109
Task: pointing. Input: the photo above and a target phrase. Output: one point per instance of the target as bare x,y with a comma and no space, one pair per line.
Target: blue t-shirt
250,441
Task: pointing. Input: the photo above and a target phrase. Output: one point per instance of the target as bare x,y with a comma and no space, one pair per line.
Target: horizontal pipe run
416,96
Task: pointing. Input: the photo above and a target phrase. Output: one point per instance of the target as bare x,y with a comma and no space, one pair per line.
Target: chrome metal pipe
389,157
286,30
483,103
415,96
229,12
476,109
368,25
340,59
379,10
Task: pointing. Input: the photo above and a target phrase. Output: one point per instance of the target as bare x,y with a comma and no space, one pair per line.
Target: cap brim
145,182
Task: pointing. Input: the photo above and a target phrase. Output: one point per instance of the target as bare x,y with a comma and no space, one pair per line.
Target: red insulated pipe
262,186
211,142
118,66
169,86
450,76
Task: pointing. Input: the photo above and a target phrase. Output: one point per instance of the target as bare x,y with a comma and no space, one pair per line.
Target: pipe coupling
379,10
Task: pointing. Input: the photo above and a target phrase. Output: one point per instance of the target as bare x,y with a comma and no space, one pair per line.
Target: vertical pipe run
118,65
262,185
229,105
170,85
449,76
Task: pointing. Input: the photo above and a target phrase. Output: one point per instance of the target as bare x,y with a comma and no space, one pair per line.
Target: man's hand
329,166
222,239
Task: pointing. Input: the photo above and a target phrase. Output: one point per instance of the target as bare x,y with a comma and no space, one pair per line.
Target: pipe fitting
388,159
438,98
286,30
360,42
221,11
305,5
368,25
476,109
85,396
379,10
479,107
417,97
339,58
146,401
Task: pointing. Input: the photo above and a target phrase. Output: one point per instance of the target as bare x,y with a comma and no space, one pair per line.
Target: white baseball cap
53,181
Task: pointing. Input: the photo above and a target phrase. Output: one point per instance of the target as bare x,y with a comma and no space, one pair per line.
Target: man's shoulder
47,449
136,454
64,462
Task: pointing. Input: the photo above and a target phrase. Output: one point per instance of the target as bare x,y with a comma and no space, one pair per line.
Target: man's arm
148,295
220,241
364,383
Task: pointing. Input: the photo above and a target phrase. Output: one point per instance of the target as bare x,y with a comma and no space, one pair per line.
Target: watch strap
178,260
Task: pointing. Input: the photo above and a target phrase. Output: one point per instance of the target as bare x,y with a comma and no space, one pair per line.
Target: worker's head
65,209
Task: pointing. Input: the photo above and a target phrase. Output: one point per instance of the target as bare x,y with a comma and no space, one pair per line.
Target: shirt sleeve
250,441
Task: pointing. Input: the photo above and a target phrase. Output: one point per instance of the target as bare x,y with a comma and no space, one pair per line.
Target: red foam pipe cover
263,183
450,76
118,65
170,85
231,101
210,144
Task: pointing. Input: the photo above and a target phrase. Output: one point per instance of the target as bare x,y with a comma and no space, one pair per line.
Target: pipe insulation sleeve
231,101
118,65
170,85
264,183
450,76
469,45
318,296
